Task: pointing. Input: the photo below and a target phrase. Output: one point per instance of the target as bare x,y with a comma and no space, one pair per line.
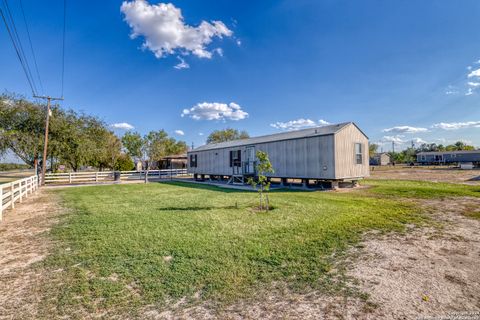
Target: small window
358,153
193,161
424,158
235,158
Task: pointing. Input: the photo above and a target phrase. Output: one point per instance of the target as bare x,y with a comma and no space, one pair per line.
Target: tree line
76,139
410,154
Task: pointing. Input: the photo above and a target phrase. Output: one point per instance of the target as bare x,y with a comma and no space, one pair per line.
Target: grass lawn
126,246
421,189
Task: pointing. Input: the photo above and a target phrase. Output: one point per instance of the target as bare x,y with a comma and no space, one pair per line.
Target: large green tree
74,139
22,125
228,134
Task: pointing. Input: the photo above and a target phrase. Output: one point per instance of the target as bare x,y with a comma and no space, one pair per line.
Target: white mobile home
330,153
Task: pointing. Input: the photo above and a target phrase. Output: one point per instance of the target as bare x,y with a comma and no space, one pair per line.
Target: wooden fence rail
104,176
16,191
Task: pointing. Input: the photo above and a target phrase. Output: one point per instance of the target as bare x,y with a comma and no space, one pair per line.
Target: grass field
9,176
127,246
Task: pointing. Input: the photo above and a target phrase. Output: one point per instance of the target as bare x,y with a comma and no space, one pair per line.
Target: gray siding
345,162
449,157
295,158
328,156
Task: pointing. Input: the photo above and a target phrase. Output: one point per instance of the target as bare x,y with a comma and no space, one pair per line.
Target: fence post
69,177
12,196
96,176
20,190
1,203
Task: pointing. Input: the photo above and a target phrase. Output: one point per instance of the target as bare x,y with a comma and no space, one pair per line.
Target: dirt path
23,242
426,271
451,175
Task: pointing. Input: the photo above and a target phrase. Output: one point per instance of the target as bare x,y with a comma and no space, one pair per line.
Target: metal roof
447,152
304,133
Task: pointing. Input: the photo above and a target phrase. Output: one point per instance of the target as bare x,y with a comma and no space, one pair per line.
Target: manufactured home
449,157
335,152
380,159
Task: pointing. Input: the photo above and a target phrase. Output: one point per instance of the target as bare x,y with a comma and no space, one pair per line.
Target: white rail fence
16,191
106,176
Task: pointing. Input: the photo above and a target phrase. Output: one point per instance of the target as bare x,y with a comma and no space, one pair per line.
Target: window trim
358,154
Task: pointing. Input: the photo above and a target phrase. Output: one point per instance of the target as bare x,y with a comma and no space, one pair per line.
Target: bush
124,163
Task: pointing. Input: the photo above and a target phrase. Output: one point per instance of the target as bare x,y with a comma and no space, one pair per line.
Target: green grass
421,189
112,246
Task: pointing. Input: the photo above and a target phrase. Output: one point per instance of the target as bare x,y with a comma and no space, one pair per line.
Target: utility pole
45,146
393,147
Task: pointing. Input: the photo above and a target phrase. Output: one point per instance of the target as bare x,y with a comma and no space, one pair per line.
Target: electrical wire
31,47
17,51
19,44
63,45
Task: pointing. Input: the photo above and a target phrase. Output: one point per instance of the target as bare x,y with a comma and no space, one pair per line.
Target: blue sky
262,66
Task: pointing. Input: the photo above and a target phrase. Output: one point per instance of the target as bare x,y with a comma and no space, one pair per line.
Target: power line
19,43
17,51
31,46
63,46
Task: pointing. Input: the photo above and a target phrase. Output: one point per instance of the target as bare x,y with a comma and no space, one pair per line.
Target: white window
358,153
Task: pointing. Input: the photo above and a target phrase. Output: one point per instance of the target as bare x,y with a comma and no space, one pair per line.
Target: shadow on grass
225,189
197,208
193,185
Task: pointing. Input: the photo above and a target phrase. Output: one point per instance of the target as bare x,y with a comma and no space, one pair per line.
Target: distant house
449,157
330,153
380,159
178,161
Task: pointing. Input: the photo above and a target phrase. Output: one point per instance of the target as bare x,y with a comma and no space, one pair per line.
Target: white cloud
418,141
405,129
397,139
457,125
239,42
200,133
182,64
298,124
165,32
474,84
218,51
122,126
469,92
179,132
474,73
215,111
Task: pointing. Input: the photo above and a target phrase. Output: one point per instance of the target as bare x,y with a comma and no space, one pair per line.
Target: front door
250,160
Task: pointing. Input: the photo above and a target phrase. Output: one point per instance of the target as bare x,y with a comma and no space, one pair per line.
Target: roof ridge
333,128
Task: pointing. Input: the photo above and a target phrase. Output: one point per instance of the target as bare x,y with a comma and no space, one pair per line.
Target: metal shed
380,159
330,153
445,157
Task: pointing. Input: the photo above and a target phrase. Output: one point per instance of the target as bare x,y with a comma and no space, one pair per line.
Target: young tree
133,143
372,149
224,135
262,183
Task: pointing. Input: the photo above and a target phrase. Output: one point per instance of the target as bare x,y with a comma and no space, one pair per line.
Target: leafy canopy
228,134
